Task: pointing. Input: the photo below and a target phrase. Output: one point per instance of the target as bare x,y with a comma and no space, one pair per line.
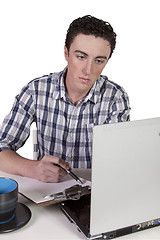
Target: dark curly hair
90,25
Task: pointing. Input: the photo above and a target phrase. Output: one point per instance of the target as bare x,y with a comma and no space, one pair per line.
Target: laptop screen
79,212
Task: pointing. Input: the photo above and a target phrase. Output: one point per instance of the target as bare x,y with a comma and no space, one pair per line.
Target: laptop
125,191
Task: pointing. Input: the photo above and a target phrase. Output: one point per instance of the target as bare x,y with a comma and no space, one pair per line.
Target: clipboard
37,191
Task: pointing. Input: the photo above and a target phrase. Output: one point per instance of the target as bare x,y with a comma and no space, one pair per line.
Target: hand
48,171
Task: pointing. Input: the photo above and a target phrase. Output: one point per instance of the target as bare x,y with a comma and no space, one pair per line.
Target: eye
99,61
80,57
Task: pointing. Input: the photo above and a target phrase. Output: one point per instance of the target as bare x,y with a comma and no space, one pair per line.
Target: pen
74,176
71,174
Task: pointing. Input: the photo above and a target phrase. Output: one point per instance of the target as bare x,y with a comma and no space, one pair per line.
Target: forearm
45,170
13,163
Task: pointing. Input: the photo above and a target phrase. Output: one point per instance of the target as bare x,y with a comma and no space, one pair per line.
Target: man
65,106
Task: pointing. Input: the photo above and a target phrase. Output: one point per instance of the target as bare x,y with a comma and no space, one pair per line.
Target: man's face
86,59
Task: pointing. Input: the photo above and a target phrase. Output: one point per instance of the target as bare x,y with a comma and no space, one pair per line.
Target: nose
87,67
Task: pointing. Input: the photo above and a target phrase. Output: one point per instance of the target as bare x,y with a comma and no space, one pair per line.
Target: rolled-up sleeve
15,128
120,108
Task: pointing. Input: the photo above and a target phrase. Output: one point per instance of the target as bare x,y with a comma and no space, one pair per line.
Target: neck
74,95
75,99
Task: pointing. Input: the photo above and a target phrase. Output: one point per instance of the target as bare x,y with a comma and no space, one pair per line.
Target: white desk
50,223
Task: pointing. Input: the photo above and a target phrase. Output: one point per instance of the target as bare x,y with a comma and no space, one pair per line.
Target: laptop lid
125,175
125,181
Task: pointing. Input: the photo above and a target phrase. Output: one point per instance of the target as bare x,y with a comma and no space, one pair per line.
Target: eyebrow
79,51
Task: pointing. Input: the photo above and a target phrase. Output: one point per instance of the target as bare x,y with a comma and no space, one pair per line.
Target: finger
65,165
57,169
54,173
52,178
59,161
56,165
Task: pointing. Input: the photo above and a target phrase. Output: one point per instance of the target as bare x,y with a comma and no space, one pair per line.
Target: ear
66,53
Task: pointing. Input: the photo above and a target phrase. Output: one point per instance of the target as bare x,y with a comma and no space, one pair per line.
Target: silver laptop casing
125,175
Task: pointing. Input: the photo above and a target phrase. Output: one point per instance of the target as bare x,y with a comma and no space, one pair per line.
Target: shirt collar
95,91
60,91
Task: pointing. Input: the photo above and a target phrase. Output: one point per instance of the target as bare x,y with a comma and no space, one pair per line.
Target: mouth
84,80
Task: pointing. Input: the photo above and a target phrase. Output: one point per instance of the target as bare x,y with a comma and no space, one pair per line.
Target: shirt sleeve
120,108
15,128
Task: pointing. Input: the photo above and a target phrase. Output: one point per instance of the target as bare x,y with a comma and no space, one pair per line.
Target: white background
32,36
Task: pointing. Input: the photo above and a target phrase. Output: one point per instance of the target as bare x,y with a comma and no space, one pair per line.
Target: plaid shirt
63,129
